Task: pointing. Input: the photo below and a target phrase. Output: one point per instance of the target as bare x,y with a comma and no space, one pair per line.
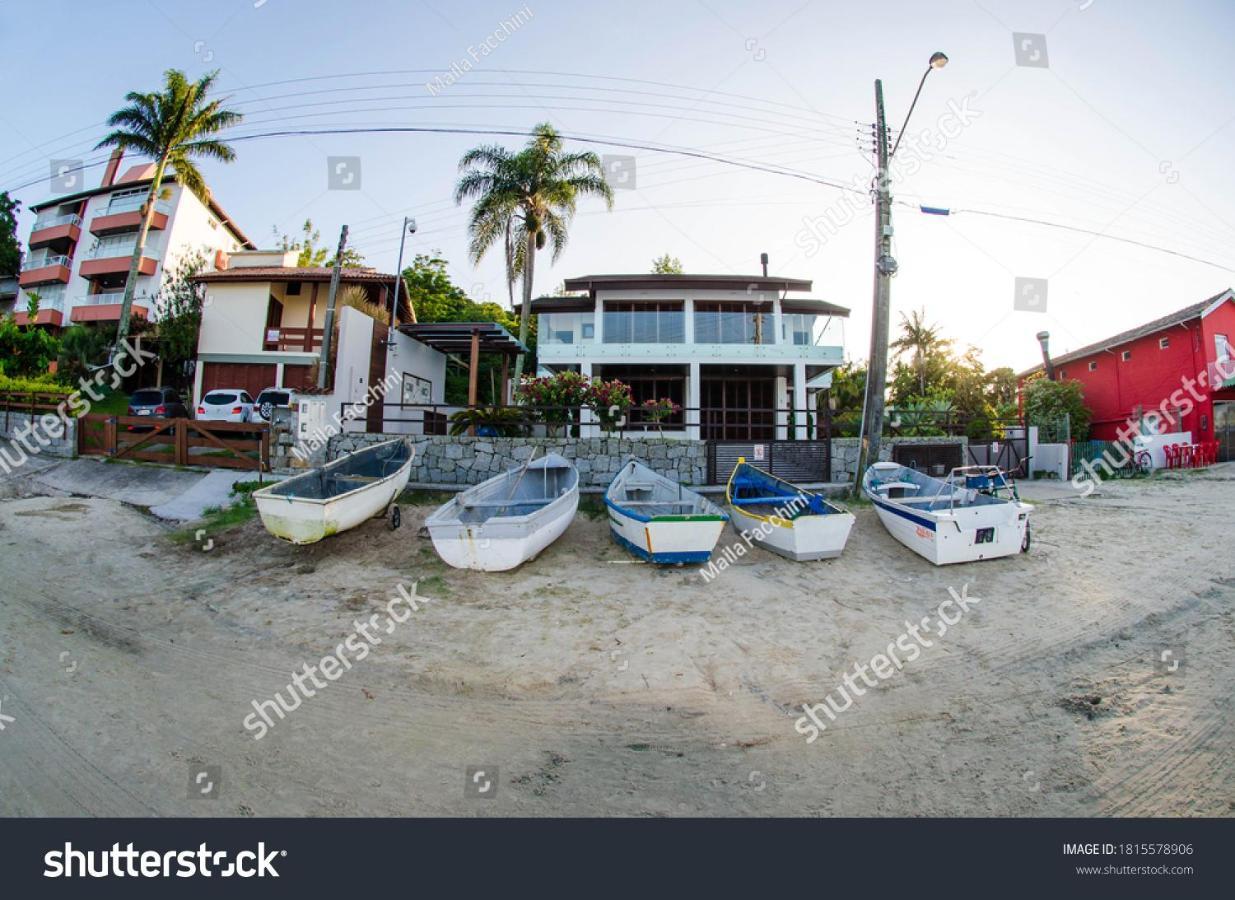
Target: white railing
46,301
42,260
52,221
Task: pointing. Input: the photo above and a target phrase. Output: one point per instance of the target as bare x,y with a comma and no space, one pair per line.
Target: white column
694,393
588,426
783,402
799,400
278,374
198,370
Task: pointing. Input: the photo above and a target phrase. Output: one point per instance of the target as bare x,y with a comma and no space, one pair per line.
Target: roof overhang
592,283
456,337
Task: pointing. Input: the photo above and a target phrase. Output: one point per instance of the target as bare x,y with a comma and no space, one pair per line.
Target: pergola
473,338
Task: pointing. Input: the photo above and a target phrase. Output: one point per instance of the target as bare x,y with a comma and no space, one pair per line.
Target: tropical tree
10,246
1049,404
924,345
527,197
173,126
309,254
666,265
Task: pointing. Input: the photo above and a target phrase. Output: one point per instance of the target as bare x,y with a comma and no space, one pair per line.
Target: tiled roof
286,273
1186,314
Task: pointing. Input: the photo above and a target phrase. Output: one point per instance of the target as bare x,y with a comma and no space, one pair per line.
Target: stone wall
845,452
52,436
442,460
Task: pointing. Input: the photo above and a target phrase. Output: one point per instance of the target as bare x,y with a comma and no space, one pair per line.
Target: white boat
781,517
974,513
659,520
507,520
338,496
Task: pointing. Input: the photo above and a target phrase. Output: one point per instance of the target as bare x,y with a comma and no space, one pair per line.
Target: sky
1109,117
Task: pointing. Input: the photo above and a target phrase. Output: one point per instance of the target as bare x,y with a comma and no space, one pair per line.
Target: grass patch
220,518
592,506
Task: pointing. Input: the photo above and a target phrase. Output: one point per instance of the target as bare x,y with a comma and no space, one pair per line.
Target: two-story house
1148,369
740,356
81,245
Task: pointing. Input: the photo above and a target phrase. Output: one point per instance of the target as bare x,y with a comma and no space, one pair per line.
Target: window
1126,355
1223,348
588,331
733,323
1163,343
1062,374
651,383
292,289
1093,367
651,322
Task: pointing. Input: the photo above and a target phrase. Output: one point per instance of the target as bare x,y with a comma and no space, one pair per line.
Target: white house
741,357
81,245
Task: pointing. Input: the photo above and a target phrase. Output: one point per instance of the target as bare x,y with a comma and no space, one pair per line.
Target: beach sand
588,684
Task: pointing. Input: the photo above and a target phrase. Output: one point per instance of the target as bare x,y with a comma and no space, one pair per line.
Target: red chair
1171,452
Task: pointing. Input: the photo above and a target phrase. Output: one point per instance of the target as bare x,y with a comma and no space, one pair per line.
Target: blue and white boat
784,518
975,513
660,521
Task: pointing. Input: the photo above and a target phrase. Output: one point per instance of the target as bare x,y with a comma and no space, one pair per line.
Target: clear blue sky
1127,131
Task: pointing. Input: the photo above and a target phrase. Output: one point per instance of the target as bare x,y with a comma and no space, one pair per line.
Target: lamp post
885,267
409,227
1048,367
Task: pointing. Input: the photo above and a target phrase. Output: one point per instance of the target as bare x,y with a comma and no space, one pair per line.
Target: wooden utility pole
323,367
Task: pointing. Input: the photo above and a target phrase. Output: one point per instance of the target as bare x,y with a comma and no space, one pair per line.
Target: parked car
227,405
158,403
274,398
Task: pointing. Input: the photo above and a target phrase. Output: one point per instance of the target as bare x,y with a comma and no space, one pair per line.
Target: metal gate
806,462
1224,430
1010,454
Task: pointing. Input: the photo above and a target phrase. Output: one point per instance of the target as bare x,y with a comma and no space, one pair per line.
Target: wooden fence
181,442
28,403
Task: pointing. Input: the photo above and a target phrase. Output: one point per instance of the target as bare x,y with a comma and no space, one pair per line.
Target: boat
660,521
974,513
340,495
509,519
786,519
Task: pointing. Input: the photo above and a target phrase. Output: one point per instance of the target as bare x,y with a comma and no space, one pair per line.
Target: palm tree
526,199
921,342
173,127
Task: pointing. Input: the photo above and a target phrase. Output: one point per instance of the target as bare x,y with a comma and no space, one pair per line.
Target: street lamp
1044,338
409,227
937,61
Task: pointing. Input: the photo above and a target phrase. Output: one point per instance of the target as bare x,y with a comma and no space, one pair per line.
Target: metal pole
323,368
409,227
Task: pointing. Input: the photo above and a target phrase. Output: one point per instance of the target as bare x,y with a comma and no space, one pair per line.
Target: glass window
565,328
643,322
733,323
1223,347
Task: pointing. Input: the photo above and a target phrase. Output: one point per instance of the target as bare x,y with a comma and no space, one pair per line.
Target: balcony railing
132,204
46,301
109,298
43,260
108,249
52,221
294,339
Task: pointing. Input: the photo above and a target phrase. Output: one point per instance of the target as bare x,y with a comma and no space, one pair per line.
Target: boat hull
802,539
666,540
307,520
498,546
952,538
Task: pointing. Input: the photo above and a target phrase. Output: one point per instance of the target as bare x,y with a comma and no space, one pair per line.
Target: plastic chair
1171,452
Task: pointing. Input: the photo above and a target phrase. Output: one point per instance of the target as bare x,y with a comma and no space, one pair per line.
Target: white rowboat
338,496
507,520
972,514
781,517
659,520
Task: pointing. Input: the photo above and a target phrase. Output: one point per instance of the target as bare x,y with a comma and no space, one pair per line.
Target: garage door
251,377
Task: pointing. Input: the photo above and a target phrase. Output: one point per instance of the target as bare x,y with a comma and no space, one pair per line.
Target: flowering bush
558,396
656,411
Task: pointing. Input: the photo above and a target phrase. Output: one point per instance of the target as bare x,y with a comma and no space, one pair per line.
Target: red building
1178,370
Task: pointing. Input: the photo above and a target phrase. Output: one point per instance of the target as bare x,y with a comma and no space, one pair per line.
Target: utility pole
323,367
885,268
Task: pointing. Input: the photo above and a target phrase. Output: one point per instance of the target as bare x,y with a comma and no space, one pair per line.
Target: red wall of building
1117,387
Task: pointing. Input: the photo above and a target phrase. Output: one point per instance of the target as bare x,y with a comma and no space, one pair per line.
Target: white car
274,398
227,405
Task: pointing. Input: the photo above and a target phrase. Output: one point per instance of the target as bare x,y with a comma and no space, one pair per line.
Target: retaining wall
51,435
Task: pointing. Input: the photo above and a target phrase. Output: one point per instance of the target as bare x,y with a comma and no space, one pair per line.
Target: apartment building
81,246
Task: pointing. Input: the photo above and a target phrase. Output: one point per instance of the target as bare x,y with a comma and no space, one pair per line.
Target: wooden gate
180,442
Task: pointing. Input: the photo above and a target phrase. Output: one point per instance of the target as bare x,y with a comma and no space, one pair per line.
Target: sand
585,684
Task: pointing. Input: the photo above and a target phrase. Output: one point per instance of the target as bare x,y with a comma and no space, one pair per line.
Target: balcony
51,311
125,214
106,307
44,268
50,230
293,340
112,257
